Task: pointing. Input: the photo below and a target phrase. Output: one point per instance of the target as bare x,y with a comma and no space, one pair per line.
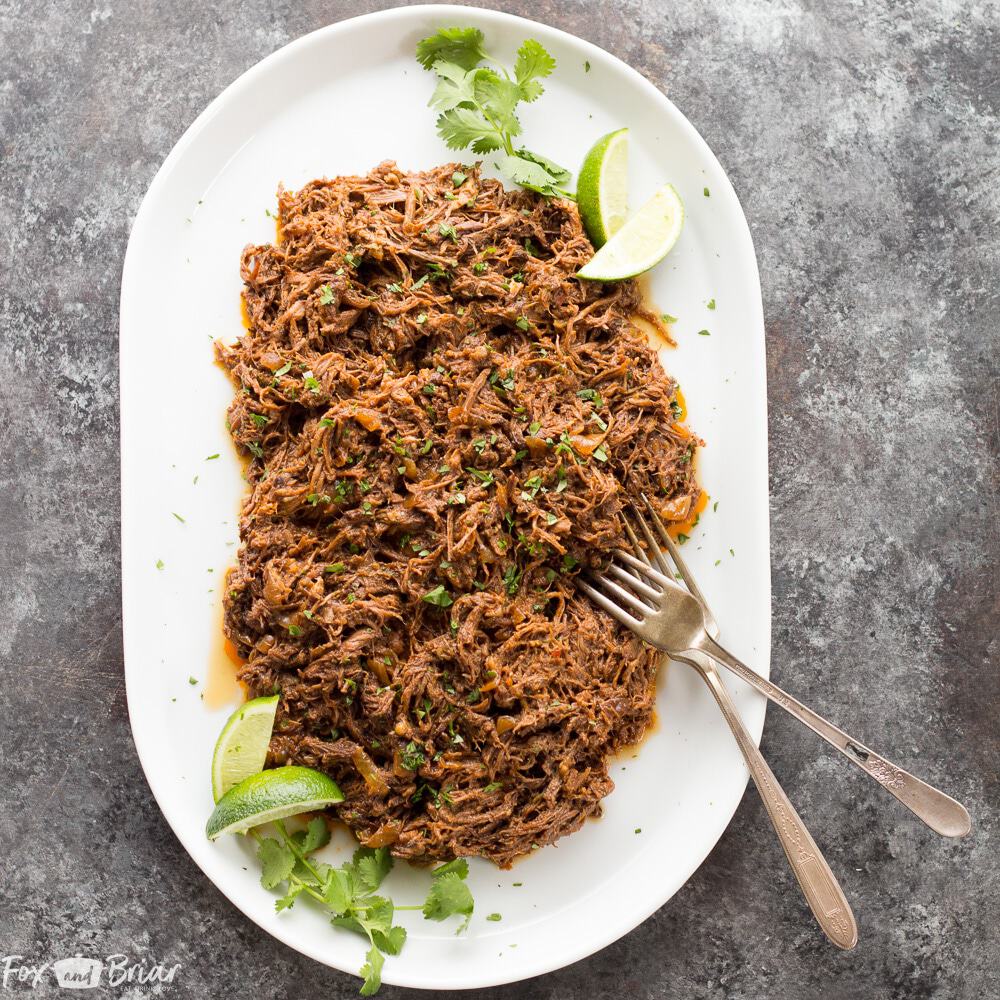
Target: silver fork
819,885
673,619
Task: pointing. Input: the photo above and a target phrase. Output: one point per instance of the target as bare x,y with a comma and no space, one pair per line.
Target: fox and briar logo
80,973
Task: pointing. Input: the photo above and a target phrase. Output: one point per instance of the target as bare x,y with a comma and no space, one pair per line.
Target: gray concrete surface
863,142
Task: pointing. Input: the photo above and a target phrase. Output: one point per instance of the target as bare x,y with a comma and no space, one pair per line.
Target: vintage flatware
823,893
672,618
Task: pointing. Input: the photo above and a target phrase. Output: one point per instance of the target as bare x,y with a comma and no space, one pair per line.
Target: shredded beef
443,425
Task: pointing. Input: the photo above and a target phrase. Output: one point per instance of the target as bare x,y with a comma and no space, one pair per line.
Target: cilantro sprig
477,104
350,892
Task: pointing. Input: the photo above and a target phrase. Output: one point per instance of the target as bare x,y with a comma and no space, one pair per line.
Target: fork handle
939,811
822,891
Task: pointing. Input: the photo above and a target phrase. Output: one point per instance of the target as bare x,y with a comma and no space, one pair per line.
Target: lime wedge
242,745
602,187
271,795
642,242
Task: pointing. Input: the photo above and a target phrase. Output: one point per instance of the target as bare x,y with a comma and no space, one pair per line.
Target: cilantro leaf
276,862
449,895
338,890
463,46
497,98
529,173
390,941
459,866
317,835
533,61
560,174
455,86
461,127
286,901
378,914
372,866
372,971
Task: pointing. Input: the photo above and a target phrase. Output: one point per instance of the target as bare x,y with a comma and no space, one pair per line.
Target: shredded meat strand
437,411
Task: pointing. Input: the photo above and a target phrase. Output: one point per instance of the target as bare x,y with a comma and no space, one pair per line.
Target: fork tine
654,549
674,549
624,596
644,589
655,575
612,609
636,544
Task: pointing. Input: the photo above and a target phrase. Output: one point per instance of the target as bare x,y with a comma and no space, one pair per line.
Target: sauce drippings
221,686
682,403
684,527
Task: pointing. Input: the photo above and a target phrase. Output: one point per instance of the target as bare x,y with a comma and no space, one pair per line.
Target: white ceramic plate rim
620,920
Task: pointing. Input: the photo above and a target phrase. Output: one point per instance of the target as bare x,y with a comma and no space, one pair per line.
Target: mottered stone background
862,139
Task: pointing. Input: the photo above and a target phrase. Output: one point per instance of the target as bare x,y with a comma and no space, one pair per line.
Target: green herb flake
704,333
413,756
325,295
711,304
438,597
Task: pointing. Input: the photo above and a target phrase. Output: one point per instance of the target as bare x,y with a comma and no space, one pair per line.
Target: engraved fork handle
939,811
821,889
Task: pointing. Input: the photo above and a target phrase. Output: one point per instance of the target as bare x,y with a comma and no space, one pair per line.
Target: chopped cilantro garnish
438,597
412,757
